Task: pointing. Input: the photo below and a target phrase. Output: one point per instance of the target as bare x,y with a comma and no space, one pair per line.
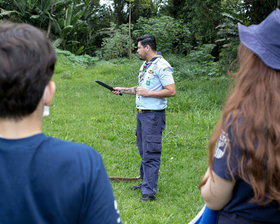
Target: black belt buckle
146,111
141,111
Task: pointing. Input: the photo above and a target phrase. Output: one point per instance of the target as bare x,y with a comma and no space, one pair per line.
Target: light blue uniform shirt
157,75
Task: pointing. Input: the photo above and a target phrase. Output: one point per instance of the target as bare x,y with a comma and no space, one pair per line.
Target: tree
144,8
129,29
120,15
203,16
258,10
38,13
172,35
174,8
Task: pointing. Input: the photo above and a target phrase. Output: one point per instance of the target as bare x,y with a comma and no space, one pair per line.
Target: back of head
27,61
148,40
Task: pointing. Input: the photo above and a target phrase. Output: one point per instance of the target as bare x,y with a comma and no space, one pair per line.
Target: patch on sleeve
168,69
221,146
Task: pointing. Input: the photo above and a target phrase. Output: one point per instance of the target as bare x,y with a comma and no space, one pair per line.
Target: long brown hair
255,100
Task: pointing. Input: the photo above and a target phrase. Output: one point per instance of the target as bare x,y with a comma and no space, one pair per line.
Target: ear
148,47
50,90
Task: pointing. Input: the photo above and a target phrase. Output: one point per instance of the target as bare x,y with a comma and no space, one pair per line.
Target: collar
153,59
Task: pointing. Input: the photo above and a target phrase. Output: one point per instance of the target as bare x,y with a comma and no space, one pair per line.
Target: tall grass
83,111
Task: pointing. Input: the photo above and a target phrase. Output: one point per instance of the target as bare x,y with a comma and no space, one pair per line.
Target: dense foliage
180,26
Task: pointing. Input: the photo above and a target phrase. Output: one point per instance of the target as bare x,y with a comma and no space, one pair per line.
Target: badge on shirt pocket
148,82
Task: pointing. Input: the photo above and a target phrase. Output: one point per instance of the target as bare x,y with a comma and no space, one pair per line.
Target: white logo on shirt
117,210
221,146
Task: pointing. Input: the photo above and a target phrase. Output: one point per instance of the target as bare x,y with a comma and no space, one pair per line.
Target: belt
147,111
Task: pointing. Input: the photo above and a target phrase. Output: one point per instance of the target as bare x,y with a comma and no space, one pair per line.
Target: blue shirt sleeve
221,166
166,75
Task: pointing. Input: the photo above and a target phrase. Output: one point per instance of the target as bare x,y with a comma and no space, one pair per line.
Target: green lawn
83,111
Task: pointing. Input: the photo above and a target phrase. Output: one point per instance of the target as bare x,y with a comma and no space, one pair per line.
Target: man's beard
143,58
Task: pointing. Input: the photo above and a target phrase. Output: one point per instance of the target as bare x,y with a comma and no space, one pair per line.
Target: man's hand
167,91
142,92
117,91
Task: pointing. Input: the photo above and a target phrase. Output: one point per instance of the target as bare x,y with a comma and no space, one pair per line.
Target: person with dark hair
148,40
155,84
243,178
42,179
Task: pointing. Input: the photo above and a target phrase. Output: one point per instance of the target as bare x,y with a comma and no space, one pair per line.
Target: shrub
227,56
199,62
172,35
116,45
80,60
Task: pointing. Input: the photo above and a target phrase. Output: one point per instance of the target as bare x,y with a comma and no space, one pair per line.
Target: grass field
83,111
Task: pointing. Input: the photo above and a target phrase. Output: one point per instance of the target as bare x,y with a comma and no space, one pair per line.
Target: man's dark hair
148,40
27,61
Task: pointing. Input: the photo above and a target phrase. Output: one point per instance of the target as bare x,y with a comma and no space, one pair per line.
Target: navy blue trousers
149,130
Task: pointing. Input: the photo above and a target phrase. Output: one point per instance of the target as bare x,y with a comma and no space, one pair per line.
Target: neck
26,127
152,55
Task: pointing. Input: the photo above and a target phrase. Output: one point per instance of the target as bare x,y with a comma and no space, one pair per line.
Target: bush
173,36
227,56
199,62
116,45
80,60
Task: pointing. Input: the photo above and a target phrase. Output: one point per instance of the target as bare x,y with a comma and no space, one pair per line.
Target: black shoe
136,187
146,197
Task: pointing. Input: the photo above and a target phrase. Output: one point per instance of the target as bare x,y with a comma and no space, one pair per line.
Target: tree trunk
129,30
50,21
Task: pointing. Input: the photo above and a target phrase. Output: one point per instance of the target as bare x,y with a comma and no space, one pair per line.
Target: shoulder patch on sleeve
221,146
168,69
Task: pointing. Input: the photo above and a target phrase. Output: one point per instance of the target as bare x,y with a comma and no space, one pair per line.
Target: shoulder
60,144
66,150
161,62
164,67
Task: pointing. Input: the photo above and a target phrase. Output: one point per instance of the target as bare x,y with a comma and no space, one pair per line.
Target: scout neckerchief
145,68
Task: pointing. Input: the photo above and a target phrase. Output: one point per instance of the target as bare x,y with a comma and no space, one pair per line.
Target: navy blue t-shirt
47,180
242,193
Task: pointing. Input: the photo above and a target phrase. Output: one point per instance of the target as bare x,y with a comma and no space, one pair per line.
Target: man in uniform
155,84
